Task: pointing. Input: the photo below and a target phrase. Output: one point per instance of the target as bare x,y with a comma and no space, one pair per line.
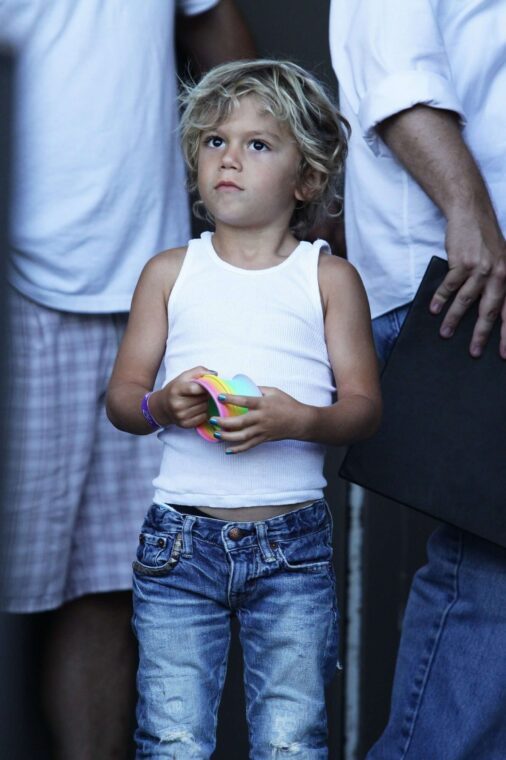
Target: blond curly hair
293,97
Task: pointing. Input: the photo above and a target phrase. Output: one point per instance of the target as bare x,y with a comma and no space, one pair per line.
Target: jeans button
235,534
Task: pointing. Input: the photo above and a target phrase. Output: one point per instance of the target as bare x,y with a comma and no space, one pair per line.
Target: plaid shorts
76,489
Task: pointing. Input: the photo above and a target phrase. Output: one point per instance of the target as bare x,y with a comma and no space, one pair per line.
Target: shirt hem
195,8
232,501
15,605
74,303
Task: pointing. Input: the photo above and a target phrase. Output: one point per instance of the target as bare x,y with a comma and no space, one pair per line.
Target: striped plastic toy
239,385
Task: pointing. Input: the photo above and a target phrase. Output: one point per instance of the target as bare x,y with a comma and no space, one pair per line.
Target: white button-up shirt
390,55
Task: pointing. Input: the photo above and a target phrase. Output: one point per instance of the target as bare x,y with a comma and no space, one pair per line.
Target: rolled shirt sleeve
389,56
193,7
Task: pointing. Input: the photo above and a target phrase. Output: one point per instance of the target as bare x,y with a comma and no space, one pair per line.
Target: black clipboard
441,446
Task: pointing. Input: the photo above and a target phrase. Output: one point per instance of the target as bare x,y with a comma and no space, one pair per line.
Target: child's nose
230,158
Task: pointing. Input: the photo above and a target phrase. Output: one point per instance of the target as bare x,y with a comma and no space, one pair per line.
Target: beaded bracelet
147,414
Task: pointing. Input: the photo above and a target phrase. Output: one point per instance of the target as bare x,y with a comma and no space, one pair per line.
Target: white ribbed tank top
267,324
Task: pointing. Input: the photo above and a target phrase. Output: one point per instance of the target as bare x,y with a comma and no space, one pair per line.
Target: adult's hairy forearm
218,35
429,143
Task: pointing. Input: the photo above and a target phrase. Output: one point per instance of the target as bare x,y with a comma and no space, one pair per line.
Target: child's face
247,168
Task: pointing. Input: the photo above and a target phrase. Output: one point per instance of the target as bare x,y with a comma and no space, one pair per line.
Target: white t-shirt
389,55
99,181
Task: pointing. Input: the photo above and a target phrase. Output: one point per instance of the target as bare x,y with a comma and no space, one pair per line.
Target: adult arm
429,143
391,61
215,36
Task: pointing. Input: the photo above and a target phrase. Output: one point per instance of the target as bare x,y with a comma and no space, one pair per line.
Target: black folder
441,447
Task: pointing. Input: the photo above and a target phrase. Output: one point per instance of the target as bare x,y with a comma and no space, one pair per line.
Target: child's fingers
235,431
245,446
194,389
185,405
197,408
193,420
250,402
231,424
198,372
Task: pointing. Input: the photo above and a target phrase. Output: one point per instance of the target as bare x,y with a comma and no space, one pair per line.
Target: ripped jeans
191,575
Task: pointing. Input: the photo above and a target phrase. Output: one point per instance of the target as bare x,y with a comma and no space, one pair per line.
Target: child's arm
357,412
181,402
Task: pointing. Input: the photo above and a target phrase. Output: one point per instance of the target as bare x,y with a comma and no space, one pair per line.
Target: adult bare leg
88,678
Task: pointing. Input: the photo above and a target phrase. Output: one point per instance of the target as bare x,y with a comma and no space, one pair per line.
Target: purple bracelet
147,414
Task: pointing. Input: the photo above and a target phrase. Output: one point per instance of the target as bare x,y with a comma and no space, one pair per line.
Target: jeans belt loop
188,521
263,542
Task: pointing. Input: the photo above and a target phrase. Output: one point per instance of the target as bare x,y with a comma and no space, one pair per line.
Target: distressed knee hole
286,748
180,738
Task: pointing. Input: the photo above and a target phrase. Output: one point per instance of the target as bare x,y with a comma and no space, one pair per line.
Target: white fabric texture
389,55
267,324
99,181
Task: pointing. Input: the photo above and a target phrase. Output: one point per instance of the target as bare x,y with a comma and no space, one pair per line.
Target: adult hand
271,417
429,143
477,271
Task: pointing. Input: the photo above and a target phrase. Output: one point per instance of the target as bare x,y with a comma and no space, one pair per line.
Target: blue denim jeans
449,693
191,575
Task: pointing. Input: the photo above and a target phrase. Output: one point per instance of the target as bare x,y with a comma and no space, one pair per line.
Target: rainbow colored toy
239,385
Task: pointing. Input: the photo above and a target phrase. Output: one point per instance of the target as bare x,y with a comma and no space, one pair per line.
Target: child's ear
308,186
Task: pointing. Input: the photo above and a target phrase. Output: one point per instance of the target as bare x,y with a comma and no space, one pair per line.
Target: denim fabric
386,329
449,693
191,575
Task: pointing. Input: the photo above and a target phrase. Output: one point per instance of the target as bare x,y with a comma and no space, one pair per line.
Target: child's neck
253,249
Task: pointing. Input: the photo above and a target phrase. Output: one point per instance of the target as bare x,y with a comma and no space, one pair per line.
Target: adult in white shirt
99,187
423,84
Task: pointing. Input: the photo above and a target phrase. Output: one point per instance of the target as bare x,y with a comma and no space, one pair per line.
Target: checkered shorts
76,488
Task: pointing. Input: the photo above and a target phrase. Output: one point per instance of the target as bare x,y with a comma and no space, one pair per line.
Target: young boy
246,534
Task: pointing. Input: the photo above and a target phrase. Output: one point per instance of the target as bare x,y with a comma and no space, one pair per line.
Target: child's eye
214,141
259,145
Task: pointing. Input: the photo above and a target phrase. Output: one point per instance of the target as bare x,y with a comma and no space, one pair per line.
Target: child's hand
184,402
271,417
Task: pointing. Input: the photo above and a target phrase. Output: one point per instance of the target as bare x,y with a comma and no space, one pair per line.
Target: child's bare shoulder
163,268
334,272
167,262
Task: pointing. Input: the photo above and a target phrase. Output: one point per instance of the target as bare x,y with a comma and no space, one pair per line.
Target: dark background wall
378,545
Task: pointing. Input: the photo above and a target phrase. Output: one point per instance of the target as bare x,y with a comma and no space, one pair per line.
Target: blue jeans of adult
191,575
449,692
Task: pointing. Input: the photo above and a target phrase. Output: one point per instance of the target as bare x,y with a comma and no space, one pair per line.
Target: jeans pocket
308,553
157,553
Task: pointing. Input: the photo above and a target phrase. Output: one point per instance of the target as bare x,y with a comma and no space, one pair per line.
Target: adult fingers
489,309
454,279
467,294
